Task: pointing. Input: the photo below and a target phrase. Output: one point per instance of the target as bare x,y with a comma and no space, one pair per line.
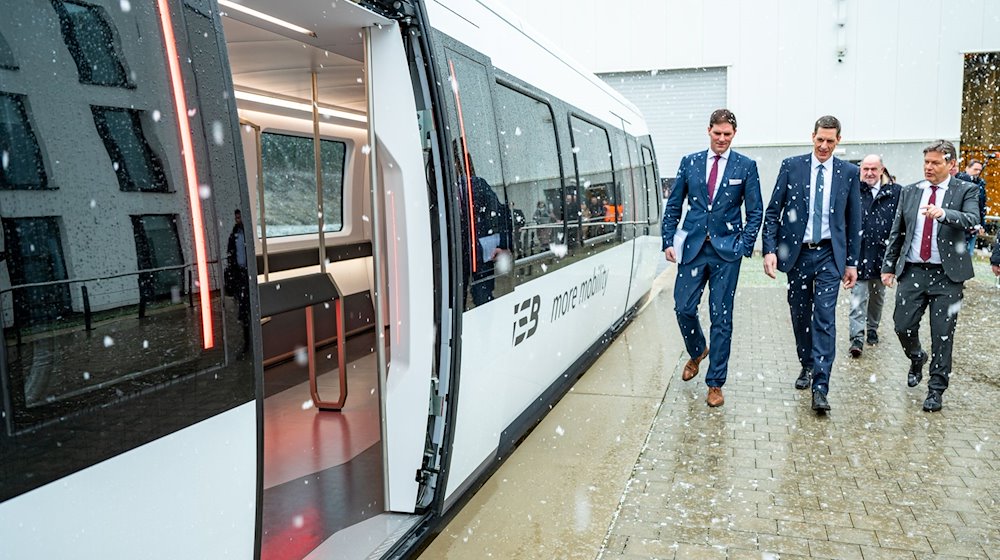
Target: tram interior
323,469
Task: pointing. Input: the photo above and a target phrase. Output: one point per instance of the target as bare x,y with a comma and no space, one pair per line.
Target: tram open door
338,474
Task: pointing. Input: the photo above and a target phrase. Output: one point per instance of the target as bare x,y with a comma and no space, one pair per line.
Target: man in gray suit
928,253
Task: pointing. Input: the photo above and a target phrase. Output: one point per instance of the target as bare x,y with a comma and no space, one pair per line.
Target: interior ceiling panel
268,57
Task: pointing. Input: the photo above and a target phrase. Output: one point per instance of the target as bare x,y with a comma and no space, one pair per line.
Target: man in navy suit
716,183
812,232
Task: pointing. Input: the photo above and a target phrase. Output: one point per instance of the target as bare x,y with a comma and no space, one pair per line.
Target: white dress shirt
913,255
723,158
827,189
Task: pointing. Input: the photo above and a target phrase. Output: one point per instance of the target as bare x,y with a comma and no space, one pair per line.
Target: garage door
676,104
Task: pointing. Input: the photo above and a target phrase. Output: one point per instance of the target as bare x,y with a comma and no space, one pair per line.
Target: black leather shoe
805,378
821,405
872,338
933,401
856,348
916,369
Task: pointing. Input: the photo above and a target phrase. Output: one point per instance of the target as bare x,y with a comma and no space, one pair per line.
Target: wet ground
632,463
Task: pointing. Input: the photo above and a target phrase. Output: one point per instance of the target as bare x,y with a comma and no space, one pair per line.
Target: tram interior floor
322,469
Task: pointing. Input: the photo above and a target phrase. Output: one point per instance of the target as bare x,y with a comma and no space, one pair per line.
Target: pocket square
736,181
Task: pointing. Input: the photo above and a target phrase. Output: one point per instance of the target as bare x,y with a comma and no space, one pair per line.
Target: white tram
450,221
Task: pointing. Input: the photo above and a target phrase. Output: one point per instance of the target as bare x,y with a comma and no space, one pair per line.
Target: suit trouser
813,284
920,287
721,276
867,299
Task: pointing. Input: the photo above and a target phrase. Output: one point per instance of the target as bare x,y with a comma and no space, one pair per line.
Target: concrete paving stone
700,552
826,517
731,539
936,531
753,523
852,535
876,522
837,550
811,531
783,545
651,548
872,553
892,539
960,549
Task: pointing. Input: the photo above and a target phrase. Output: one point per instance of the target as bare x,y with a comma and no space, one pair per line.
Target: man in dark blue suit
716,183
812,232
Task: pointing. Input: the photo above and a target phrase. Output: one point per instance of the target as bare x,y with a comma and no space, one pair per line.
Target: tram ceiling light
303,106
268,18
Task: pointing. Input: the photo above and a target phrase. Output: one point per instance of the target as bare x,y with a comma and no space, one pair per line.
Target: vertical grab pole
376,221
319,174
260,200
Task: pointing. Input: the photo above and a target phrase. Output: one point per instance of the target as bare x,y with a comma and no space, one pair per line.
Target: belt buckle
812,245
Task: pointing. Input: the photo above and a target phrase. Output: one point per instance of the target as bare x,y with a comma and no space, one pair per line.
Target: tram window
7,60
157,246
91,39
531,168
652,183
638,212
22,159
487,230
135,164
290,184
595,190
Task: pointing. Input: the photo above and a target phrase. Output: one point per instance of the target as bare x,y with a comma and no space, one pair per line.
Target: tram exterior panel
135,426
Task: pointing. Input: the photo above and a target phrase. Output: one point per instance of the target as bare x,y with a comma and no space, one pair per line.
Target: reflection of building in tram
96,198
114,198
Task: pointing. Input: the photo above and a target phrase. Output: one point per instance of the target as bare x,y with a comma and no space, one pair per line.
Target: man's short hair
827,121
722,116
973,162
943,147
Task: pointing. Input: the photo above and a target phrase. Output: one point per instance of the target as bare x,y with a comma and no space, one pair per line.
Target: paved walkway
764,477
632,464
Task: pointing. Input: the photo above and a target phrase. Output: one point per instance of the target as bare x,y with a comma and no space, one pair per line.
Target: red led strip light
190,172
465,160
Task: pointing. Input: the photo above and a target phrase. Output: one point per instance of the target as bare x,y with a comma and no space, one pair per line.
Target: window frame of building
127,180
28,309
332,190
19,104
149,251
73,32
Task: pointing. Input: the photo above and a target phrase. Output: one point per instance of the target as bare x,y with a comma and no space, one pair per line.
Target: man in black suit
812,231
878,208
927,253
973,174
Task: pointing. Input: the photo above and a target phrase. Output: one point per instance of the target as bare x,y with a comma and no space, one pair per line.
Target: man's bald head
871,169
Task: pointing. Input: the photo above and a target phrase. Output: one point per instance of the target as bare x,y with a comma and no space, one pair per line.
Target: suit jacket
995,257
877,214
787,213
721,219
961,211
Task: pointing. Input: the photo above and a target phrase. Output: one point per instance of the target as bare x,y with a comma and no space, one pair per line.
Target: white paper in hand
679,238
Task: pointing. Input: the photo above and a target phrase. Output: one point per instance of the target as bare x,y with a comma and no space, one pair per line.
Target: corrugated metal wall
676,105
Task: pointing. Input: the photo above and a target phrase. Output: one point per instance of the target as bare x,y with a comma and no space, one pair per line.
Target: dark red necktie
925,239
712,176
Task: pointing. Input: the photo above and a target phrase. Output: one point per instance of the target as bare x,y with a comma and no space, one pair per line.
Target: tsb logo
525,314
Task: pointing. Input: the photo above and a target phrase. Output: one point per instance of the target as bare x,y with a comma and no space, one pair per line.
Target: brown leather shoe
715,397
691,368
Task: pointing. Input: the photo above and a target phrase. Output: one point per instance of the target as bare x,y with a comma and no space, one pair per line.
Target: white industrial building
895,72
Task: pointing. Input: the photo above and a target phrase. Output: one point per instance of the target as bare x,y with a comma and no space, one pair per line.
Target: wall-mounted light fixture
262,16
298,105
